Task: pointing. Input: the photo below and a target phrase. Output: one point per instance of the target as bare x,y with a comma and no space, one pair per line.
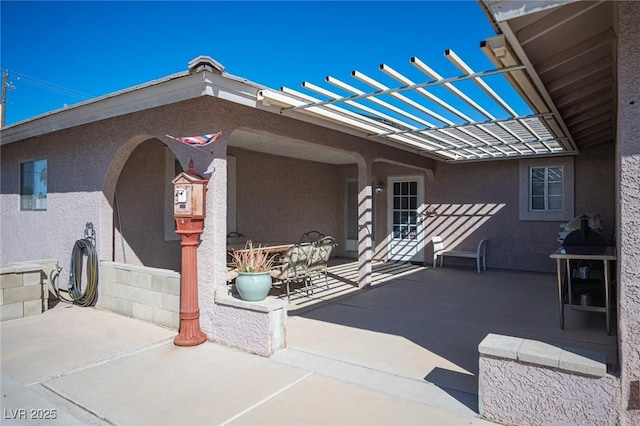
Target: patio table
267,247
600,254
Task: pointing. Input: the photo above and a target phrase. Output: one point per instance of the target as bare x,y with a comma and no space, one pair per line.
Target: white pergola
407,115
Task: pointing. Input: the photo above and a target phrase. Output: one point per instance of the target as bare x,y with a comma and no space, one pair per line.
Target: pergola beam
445,132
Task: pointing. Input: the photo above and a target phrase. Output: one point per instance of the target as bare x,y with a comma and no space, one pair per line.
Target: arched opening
143,226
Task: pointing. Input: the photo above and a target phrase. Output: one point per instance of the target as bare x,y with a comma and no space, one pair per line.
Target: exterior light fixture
379,187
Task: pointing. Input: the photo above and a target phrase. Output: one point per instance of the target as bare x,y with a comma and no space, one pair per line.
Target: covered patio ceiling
279,145
568,93
568,48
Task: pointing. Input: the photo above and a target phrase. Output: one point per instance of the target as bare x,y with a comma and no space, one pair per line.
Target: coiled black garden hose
77,296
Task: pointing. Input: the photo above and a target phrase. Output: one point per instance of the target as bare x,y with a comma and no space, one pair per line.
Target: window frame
526,212
33,188
546,195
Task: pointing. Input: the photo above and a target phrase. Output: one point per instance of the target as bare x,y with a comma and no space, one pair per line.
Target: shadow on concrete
427,325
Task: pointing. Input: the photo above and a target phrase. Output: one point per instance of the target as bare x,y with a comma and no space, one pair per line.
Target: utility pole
5,75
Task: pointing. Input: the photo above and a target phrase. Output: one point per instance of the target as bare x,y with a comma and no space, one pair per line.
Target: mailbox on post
190,194
190,189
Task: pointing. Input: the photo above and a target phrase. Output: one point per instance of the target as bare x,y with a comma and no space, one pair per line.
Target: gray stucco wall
280,198
87,162
73,199
381,171
629,208
522,394
141,198
480,200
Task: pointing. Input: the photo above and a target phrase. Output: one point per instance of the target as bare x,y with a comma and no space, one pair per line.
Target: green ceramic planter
253,286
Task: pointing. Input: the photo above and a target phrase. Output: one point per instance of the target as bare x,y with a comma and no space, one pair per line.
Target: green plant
252,259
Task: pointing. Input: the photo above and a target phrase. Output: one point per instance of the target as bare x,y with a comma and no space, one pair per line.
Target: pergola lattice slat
409,114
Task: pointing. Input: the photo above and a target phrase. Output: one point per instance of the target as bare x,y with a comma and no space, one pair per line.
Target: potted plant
253,266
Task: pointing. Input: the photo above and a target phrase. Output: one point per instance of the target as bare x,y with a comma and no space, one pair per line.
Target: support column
628,214
365,221
212,253
190,333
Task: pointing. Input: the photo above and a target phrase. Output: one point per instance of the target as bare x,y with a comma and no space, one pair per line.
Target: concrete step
421,391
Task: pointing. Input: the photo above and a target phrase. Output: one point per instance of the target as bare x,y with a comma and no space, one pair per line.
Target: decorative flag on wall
198,141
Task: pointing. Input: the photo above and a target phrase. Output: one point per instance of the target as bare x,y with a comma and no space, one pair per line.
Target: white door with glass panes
406,213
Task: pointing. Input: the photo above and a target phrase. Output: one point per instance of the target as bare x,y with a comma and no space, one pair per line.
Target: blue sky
62,53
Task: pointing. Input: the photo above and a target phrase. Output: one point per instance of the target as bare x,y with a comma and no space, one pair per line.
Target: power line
46,85
5,87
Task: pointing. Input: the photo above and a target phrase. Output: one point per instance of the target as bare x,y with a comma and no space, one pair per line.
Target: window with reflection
33,185
545,188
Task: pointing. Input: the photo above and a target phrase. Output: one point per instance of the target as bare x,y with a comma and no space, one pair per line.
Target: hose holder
83,247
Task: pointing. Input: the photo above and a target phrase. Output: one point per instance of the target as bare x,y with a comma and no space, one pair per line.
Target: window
546,189
33,185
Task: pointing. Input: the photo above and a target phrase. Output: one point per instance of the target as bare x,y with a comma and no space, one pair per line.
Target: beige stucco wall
628,168
475,200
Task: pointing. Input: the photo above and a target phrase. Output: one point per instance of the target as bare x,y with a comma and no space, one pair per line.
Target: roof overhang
205,77
568,49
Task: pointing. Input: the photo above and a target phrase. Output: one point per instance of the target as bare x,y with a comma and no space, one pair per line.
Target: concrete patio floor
426,324
84,366
402,352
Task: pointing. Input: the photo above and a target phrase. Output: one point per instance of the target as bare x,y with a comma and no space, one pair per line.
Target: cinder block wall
148,294
24,289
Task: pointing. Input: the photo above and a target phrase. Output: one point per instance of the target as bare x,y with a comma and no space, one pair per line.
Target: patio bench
479,254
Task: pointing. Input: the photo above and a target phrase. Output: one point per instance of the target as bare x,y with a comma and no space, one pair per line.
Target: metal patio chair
319,259
236,238
310,237
293,268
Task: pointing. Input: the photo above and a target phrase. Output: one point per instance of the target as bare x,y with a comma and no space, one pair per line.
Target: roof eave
503,10
530,86
171,89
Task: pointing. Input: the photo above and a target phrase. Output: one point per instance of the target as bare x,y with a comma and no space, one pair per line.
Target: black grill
584,240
